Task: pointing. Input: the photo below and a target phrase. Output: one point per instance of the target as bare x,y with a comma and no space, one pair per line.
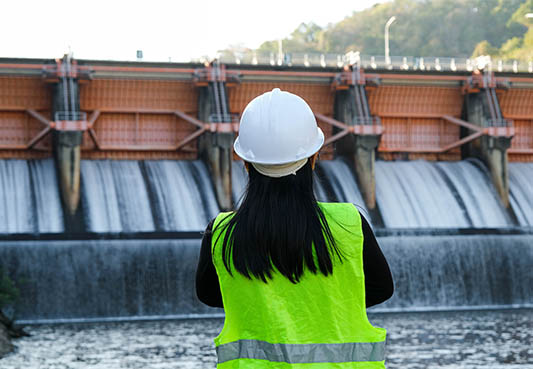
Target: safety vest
318,323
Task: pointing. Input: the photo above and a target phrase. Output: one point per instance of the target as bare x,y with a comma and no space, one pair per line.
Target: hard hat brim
248,155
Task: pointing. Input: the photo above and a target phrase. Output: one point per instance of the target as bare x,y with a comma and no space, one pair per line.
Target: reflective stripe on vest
302,353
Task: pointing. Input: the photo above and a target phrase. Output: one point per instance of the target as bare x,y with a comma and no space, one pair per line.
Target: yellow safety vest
320,322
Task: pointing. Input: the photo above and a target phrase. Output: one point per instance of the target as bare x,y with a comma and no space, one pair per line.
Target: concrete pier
67,147
67,153
215,149
491,149
360,150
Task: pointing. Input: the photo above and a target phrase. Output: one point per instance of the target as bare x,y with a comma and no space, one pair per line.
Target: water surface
454,340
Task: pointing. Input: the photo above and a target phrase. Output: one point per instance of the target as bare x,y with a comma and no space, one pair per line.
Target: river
453,340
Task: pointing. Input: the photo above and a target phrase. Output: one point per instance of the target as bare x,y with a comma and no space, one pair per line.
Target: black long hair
279,224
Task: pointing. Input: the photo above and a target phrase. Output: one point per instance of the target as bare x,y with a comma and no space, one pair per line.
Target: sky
179,30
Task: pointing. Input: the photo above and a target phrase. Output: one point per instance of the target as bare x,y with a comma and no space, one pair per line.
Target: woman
294,276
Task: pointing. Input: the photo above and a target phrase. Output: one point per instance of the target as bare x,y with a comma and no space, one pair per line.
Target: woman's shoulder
339,206
222,218
344,213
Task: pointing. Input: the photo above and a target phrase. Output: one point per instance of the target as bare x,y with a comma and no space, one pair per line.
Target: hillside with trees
455,28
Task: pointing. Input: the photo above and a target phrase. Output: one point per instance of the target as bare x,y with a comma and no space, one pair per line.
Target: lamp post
387,26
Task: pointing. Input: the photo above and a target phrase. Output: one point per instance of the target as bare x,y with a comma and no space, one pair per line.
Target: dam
110,171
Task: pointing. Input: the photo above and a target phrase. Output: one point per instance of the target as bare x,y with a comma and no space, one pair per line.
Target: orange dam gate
131,108
137,110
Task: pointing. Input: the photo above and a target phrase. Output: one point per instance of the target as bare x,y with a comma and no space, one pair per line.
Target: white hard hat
278,127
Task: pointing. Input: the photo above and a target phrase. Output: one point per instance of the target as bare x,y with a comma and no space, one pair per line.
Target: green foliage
9,293
520,47
234,52
304,39
455,28
484,48
519,15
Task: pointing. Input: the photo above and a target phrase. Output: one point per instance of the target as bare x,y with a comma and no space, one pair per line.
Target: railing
367,121
406,63
498,123
224,118
70,115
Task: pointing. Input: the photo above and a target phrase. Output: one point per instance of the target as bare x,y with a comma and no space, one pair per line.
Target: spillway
342,182
29,197
91,279
161,196
136,267
115,197
421,194
459,271
521,192
85,280
183,196
239,179
134,196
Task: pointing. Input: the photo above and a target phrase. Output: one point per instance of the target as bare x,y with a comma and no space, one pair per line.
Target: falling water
342,181
239,180
90,279
444,272
29,197
115,196
136,196
521,192
15,206
110,278
445,194
150,278
183,196
474,188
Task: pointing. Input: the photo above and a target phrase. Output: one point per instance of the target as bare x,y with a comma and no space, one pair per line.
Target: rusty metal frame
478,132
202,128
346,129
378,130
93,118
38,137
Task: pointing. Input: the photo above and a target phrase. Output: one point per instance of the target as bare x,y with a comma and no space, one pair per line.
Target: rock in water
5,343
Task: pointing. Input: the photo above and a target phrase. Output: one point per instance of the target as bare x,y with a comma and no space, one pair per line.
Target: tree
520,47
454,28
484,48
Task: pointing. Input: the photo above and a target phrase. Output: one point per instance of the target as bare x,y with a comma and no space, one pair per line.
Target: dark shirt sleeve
207,286
379,286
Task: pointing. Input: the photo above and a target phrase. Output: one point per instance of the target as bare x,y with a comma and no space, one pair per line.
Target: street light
387,26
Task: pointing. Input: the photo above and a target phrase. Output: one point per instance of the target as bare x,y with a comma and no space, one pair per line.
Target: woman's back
317,310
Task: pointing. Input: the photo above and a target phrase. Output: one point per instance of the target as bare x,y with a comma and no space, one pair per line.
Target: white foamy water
47,198
15,205
115,196
414,194
184,199
521,192
477,193
239,180
29,197
342,181
451,340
